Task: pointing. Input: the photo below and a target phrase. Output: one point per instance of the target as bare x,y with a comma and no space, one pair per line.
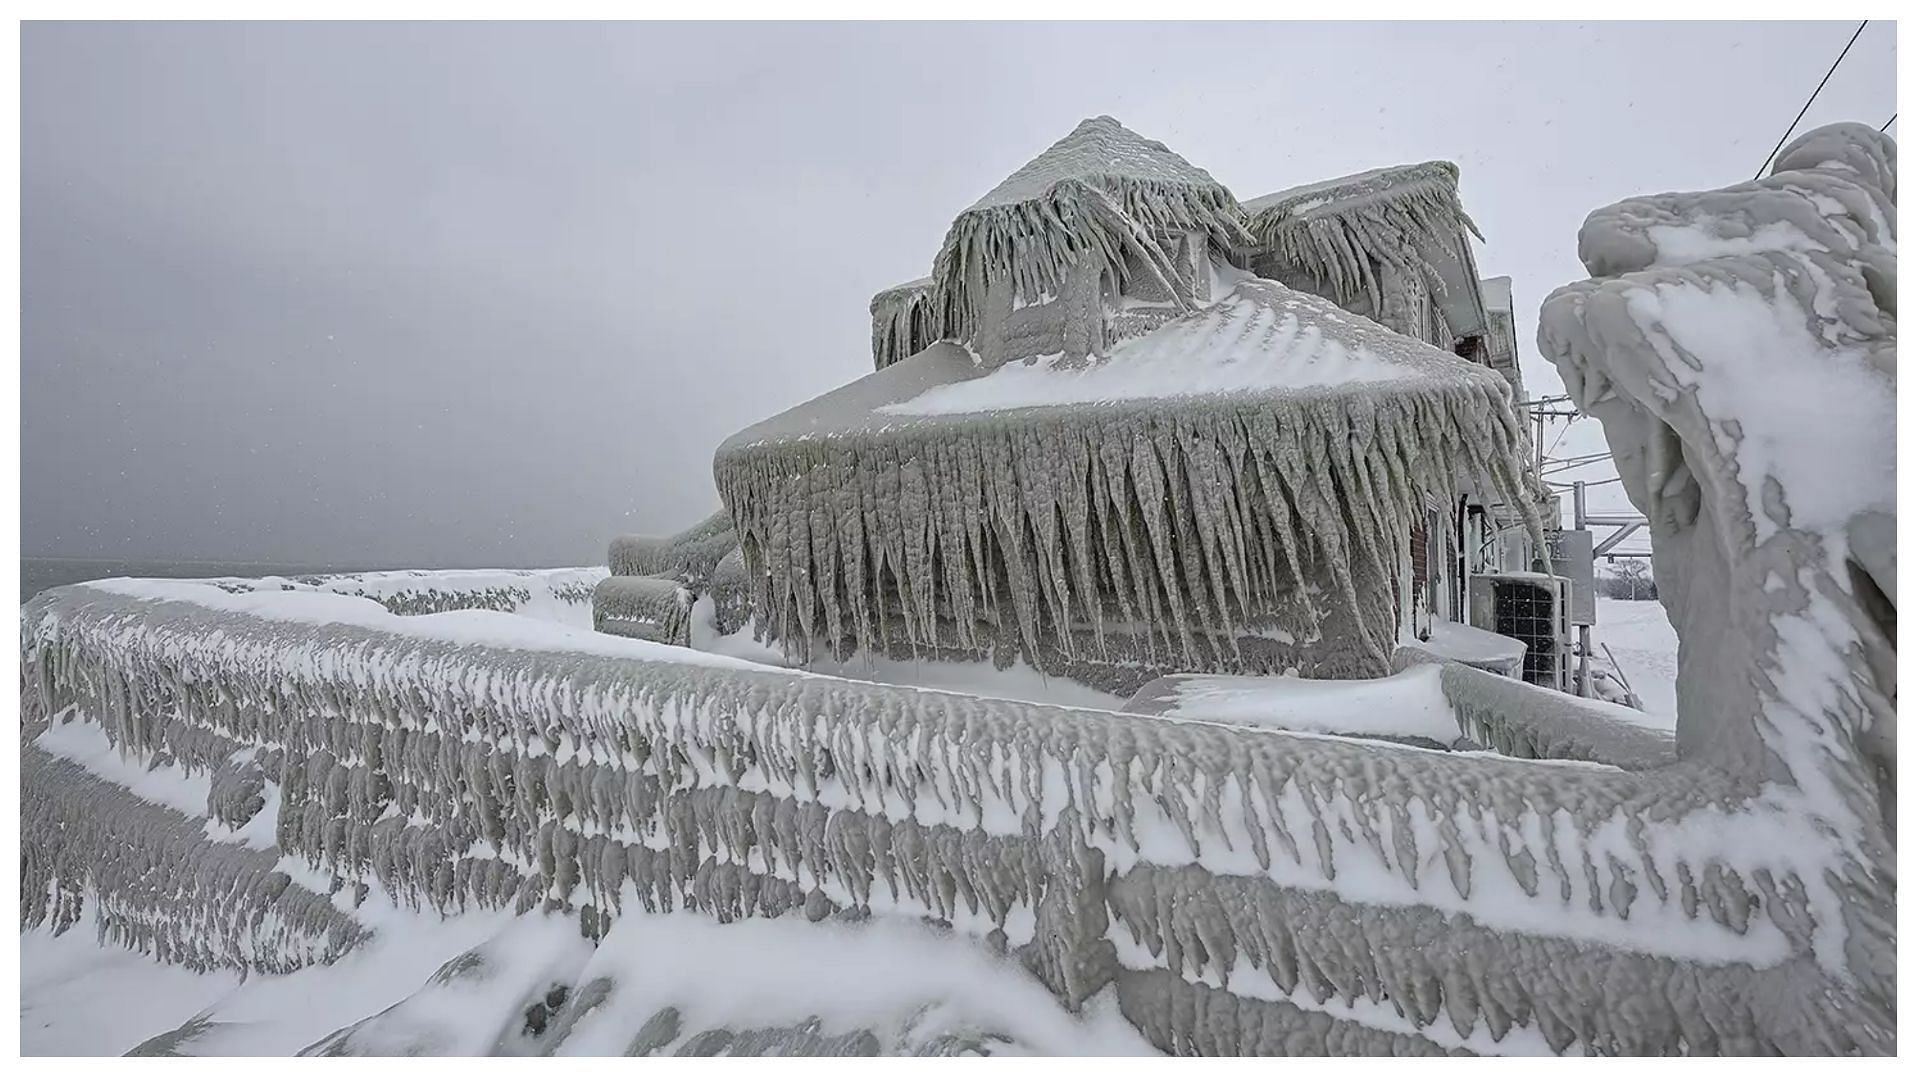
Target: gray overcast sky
460,294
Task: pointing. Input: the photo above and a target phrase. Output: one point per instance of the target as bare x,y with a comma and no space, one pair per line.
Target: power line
1889,123
1548,452
1816,93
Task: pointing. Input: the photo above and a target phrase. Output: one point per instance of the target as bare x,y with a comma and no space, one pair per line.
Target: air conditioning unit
1534,608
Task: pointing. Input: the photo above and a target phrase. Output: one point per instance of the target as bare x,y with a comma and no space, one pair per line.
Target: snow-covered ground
907,984
1644,644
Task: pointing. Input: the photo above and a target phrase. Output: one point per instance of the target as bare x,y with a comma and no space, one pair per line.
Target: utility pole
1586,632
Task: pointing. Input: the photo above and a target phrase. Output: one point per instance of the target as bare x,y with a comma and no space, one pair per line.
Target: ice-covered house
1099,442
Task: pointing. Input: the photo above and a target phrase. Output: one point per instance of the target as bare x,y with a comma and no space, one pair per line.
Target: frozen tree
1631,579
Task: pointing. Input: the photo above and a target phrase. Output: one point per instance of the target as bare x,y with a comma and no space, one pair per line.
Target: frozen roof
1098,150
1408,216
1090,196
1262,338
905,291
1330,196
1259,346
906,319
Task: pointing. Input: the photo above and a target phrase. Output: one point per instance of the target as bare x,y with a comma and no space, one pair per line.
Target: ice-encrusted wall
688,556
1241,891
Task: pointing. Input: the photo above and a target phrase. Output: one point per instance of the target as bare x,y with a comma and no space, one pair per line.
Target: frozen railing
1519,719
1245,891
554,595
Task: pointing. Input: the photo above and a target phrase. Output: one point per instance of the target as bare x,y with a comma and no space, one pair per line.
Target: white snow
1019,682
1407,704
888,975
547,591
1753,359
79,997
1472,645
877,975
1646,649
87,746
1679,245
1259,337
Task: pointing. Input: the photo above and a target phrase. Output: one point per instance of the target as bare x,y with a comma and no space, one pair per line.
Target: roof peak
1098,148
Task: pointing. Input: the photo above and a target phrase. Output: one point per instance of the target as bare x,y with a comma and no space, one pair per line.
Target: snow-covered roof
906,319
1261,339
1102,151
1261,343
905,291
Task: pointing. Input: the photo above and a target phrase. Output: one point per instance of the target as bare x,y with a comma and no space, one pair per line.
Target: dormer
1390,244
